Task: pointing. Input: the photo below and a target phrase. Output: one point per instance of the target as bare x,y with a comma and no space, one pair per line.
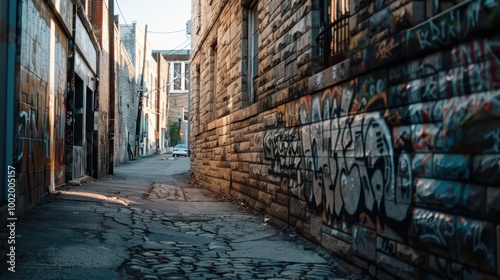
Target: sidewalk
149,221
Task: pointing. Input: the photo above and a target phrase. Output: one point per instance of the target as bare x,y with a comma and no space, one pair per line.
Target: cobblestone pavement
149,221
221,247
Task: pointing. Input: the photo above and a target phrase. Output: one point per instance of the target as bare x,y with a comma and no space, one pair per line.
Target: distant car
180,150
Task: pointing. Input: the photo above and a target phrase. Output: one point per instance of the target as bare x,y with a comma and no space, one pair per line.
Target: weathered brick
364,243
396,267
401,156
476,243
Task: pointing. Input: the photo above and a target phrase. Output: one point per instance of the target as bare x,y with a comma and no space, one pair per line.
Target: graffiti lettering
453,25
349,164
384,49
282,147
433,227
495,136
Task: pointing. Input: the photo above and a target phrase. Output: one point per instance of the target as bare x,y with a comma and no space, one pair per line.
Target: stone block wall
389,159
128,101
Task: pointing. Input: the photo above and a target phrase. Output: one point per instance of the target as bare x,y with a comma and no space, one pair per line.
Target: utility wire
169,40
166,32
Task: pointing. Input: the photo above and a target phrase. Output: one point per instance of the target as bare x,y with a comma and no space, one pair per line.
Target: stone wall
127,104
389,159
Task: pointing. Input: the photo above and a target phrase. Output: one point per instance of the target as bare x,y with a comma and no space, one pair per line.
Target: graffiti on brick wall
454,25
32,149
282,148
442,233
352,151
69,117
351,165
344,160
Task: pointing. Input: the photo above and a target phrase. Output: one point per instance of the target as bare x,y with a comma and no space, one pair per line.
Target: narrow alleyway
150,221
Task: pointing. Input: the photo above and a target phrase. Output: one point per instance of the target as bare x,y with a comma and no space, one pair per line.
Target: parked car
180,150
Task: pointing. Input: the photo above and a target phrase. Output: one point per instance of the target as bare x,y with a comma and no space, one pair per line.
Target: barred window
334,32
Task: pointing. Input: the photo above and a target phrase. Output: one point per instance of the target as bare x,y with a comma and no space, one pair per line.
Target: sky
166,20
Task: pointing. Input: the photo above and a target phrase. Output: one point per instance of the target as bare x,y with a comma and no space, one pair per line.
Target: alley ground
151,221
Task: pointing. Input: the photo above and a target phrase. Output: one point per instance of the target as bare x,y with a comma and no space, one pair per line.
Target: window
213,73
177,76
253,50
185,114
185,77
334,32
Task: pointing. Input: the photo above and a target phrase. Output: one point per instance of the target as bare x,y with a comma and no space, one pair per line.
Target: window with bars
334,35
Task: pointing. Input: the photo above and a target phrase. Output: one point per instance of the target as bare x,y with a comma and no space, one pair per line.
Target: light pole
140,90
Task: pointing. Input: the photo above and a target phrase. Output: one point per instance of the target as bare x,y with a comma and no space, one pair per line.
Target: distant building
127,103
178,61
151,133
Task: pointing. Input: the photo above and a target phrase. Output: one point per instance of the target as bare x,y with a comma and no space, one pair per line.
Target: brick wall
40,100
389,159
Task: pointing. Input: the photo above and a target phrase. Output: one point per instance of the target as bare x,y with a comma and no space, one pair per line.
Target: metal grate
334,37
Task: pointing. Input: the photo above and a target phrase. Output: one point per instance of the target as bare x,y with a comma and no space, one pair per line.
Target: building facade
152,72
128,101
370,127
161,92
178,101
53,103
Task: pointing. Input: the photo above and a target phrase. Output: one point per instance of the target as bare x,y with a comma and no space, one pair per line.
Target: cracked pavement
150,221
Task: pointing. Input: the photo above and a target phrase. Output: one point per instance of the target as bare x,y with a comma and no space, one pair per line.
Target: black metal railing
333,41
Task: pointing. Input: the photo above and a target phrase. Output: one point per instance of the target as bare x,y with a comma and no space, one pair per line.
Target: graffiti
364,243
282,147
31,150
466,126
69,106
495,137
387,246
454,25
378,54
433,227
474,52
344,164
476,243
463,80
384,49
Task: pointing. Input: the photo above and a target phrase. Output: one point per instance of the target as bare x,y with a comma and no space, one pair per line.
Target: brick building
59,108
370,127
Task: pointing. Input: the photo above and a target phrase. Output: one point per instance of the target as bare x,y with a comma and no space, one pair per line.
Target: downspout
189,109
158,90
92,16
141,91
9,48
112,88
